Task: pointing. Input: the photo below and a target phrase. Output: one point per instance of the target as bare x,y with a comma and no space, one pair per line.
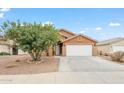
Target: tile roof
80,35
109,41
66,31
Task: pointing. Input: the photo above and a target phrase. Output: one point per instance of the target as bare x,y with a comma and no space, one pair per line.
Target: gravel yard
18,64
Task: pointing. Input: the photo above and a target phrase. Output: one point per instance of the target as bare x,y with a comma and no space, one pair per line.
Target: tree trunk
36,56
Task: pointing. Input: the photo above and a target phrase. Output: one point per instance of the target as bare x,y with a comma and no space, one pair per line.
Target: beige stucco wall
20,52
104,49
64,50
94,50
5,48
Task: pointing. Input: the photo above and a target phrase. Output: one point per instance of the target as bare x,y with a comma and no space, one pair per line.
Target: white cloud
5,9
98,28
82,32
48,22
1,15
114,24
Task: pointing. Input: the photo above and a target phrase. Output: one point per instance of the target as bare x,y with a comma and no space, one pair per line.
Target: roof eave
79,35
62,29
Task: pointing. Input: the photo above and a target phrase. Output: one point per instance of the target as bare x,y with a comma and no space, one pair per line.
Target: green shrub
4,53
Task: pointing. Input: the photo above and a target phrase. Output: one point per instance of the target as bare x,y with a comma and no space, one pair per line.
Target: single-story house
4,46
70,44
111,45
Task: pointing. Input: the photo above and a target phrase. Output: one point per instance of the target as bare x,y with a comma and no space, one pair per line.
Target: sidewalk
65,78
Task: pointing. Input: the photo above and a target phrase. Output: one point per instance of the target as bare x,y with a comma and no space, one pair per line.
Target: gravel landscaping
20,64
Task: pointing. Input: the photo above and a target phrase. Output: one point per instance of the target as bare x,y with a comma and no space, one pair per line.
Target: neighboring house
111,45
71,44
5,46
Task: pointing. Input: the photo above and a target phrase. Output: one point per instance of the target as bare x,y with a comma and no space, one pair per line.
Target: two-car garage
79,45
78,50
116,48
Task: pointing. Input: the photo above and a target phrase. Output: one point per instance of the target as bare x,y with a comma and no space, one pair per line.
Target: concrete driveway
88,64
90,70
75,70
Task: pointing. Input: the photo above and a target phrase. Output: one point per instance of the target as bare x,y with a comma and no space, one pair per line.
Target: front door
15,50
57,50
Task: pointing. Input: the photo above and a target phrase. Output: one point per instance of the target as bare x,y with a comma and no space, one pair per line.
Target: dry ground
110,59
10,65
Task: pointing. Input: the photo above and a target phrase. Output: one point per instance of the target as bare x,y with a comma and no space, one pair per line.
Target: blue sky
97,23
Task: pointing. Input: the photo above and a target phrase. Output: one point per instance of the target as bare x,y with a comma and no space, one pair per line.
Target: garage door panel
79,50
118,48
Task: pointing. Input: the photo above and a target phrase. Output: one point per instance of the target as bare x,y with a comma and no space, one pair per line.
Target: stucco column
10,50
63,50
95,52
50,51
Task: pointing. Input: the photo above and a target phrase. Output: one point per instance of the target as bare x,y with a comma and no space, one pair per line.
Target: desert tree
33,38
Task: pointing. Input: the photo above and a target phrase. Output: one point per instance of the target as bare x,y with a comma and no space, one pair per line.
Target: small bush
18,60
4,53
106,54
117,56
122,59
100,53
